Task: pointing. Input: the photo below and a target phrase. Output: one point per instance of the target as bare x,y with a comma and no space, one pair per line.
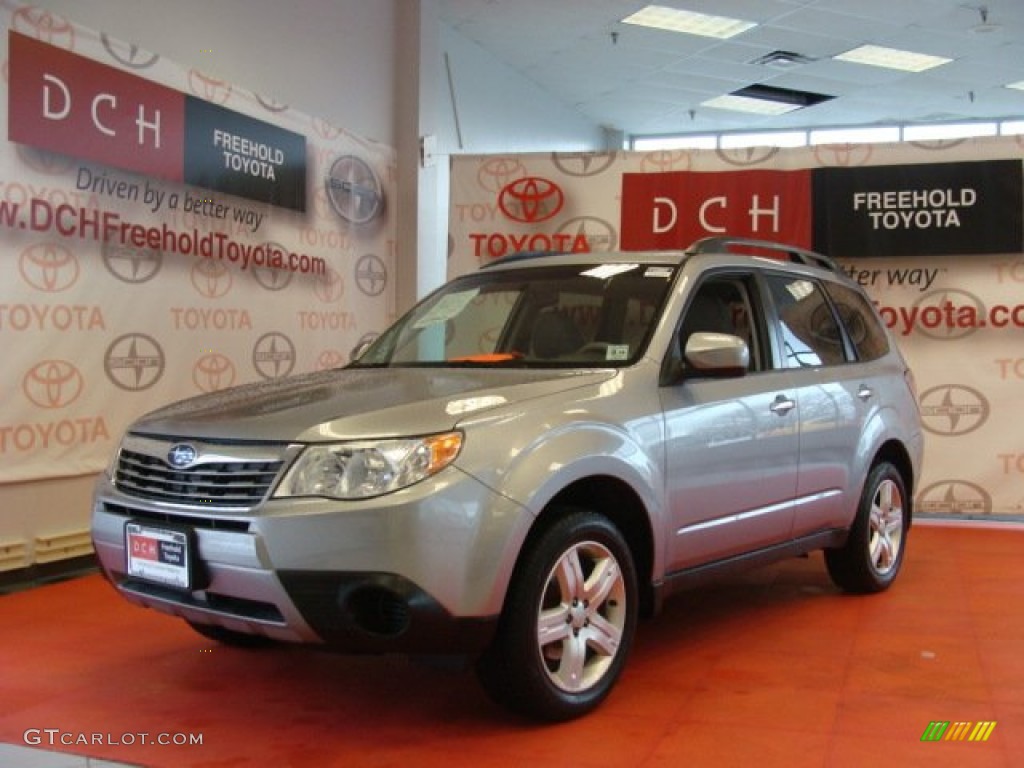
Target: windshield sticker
658,272
446,308
617,352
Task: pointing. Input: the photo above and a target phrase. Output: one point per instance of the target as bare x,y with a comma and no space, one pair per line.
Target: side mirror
358,350
715,355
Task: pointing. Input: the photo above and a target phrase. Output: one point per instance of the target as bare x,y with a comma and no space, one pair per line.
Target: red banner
76,106
671,210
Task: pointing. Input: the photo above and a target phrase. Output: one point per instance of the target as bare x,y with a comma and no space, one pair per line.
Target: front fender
533,472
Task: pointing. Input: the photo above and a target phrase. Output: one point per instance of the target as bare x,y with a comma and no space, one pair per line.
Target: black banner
230,152
919,210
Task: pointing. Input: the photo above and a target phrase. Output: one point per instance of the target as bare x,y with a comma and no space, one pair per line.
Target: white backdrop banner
165,234
958,316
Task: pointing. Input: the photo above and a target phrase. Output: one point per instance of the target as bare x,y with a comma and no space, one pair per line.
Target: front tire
873,554
568,623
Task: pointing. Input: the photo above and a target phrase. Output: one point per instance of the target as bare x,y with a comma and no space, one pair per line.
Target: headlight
365,469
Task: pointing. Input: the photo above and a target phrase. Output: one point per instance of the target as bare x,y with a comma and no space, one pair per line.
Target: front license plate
160,555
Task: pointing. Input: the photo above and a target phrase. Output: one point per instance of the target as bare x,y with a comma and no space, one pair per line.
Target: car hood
357,403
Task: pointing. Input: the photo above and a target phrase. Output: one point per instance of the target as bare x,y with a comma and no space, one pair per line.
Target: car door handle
865,392
782,405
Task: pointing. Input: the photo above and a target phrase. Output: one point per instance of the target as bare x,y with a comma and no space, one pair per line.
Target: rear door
835,396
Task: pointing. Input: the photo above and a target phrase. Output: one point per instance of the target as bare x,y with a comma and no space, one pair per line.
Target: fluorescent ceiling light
892,58
747,104
688,22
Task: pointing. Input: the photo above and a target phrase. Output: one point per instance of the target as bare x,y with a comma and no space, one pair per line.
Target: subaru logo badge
182,455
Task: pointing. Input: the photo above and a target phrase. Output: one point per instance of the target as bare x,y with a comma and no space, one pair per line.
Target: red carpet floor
772,669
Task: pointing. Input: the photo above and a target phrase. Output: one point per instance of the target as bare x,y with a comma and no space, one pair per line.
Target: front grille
225,483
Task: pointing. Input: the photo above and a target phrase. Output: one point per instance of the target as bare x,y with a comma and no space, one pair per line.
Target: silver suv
526,462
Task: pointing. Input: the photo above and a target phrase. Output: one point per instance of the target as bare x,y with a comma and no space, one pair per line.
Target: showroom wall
380,70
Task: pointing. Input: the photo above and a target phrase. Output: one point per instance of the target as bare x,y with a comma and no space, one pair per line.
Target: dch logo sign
671,210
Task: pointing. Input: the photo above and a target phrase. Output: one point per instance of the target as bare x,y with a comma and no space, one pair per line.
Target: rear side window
808,329
862,325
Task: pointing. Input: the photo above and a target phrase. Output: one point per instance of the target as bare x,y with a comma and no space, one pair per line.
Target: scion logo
273,355
937,145
954,497
531,200
497,172
747,156
599,234
270,104
182,455
329,287
49,268
211,279
134,362
665,160
843,155
953,409
270,278
132,265
53,384
354,190
128,54
44,26
583,163
209,88
213,371
948,314
371,275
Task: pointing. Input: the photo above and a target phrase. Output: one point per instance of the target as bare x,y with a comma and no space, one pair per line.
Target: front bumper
423,570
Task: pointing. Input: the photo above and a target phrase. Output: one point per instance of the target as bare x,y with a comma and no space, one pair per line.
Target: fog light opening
378,611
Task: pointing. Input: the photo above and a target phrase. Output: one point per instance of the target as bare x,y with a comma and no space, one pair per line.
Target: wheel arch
617,501
894,452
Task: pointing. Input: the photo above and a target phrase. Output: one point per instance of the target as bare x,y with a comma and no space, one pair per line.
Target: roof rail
792,252
520,256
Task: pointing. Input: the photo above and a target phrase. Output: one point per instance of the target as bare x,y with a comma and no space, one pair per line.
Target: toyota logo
531,200
182,455
49,268
53,384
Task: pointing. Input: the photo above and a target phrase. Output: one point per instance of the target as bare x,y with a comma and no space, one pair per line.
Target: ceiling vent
782,60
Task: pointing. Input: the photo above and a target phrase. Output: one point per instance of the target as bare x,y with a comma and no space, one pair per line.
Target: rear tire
568,622
873,554
226,636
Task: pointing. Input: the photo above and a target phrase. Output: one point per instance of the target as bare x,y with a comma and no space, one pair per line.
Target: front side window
595,314
809,331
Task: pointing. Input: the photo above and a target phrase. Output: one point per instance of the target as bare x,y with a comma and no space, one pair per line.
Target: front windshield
591,314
